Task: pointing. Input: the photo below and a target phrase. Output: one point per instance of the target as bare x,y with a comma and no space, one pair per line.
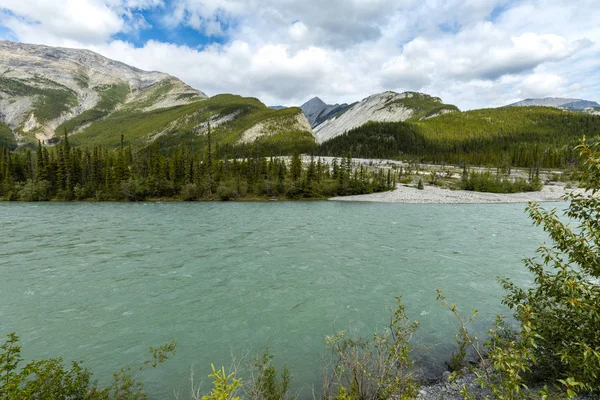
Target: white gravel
437,195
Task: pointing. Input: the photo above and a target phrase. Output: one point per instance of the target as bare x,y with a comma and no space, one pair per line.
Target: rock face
317,111
557,102
41,87
383,107
592,110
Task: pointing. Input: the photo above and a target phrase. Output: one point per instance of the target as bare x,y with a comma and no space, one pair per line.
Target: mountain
557,102
317,111
42,87
45,91
383,107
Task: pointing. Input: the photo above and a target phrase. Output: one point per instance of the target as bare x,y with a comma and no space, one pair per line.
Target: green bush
563,304
135,189
224,386
227,191
51,379
379,368
35,190
189,192
420,184
266,383
488,182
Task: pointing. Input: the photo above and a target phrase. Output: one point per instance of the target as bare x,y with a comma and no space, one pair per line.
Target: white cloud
543,85
473,53
298,31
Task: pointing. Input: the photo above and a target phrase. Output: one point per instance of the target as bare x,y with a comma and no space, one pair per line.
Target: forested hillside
517,136
235,121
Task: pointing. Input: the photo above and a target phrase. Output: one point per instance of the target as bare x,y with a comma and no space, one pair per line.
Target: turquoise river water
104,281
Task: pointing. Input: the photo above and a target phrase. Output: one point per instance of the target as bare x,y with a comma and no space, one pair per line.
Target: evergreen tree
296,166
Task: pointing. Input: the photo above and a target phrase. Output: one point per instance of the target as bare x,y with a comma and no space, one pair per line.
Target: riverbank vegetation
556,348
63,172
495,183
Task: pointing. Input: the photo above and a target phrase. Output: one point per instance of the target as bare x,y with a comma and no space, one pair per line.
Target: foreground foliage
558,342
379,368
563,306
52,379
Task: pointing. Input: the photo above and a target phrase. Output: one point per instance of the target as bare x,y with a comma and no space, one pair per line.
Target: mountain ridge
556,102
47,91
382,107
42,87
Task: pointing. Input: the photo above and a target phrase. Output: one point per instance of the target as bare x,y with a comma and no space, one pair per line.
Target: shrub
51,379
227,191
420,184
189,192
379,368
488,182
224,386
562,305
266,383
35,190
134,189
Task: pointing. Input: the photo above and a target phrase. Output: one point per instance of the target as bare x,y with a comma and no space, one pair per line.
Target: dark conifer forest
63,172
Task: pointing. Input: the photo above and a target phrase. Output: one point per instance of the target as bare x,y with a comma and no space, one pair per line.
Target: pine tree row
63,172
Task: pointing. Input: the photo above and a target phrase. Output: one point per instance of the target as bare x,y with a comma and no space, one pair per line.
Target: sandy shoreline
437,195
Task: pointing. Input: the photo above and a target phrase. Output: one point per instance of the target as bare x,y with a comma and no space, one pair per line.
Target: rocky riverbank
437,195
446,390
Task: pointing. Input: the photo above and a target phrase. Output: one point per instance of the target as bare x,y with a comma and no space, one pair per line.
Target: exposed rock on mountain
41,87
383,107
592,110
317,111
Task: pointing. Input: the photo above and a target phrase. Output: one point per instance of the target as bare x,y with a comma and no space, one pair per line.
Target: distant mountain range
46,91
557,102
329,121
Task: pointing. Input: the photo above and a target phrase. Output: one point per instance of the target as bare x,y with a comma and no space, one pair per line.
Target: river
104,281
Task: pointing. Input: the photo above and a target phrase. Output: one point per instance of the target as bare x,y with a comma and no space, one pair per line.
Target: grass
538,123
423,105
180,124
110,97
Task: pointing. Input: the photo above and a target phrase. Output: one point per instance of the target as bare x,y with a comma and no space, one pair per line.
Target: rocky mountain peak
317,111
383,107
42,87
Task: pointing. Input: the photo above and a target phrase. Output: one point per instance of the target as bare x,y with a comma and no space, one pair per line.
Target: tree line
64,172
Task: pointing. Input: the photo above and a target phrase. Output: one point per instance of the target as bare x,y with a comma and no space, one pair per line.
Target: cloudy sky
472,53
